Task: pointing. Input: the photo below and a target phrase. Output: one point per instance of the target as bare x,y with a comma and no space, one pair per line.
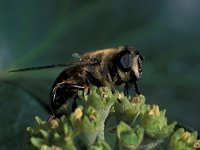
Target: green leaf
37,142
17,112
182,139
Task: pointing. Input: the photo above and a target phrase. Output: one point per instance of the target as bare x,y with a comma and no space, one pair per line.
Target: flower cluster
106,120
155,123
184,140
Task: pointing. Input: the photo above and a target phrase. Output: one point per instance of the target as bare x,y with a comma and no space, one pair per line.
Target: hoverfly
108,67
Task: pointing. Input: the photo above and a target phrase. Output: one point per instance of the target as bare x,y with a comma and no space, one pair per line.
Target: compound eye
126,62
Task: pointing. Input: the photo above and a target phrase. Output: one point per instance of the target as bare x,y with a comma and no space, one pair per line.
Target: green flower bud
155,123
129,138
196,144
102,99
44,147
53,123
99,98
100,145
182,140
37,142
86,123
48,135
128,110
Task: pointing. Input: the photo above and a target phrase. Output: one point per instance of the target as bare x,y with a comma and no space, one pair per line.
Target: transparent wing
82,63
40,67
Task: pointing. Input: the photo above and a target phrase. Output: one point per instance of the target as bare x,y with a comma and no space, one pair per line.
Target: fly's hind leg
59,96
74,104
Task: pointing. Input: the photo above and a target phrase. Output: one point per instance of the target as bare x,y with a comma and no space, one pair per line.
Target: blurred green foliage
44,32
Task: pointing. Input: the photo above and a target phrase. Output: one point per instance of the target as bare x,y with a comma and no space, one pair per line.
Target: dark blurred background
34,33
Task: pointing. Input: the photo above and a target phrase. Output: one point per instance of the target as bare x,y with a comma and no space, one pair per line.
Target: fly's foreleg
136,88
128,86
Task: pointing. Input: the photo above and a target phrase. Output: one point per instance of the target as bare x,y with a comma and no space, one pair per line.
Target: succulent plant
107,120
129,138
155,123
55,135
184,140
128,109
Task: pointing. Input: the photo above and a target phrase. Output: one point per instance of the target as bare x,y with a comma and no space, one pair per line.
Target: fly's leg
136,88
126,88
111,82
74,104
